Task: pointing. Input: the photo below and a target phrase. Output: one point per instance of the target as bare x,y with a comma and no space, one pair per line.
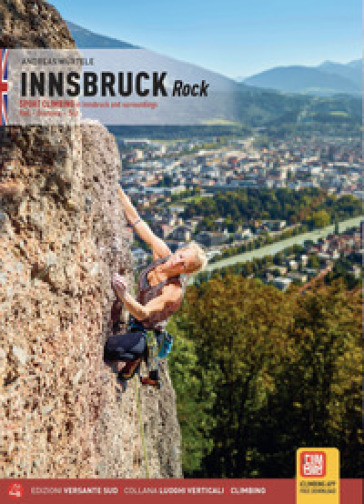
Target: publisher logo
313,464
16,490
4,86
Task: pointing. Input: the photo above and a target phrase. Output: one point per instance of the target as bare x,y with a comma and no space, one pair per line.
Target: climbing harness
158,346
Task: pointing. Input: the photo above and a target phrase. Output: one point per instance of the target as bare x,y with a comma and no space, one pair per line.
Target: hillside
88,39
259,373
351,71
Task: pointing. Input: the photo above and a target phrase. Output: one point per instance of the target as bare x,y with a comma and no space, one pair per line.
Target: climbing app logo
313,464
318,476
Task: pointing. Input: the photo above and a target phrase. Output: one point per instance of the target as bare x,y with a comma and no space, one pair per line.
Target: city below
164,178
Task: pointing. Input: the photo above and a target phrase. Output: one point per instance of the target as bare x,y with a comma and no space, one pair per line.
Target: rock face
62,235
32,24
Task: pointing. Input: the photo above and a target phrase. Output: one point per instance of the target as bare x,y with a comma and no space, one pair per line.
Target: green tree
313,261
259,373
239,326
319,403
321,219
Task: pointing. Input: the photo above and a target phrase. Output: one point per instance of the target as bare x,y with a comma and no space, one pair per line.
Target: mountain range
86,39
326,79
327,94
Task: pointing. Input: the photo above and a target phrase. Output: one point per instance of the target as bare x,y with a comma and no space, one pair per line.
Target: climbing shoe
152,383
129,370
152,379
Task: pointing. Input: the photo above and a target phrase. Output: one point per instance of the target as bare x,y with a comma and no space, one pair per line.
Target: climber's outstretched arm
158,246
170,294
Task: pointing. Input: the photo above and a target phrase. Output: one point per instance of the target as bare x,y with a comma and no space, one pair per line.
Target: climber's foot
121,387
129,370
152,383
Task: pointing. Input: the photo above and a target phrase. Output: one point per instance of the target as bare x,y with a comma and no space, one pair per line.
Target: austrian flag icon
4,86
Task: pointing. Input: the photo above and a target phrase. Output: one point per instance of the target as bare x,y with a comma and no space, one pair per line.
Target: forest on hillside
312,207
259,373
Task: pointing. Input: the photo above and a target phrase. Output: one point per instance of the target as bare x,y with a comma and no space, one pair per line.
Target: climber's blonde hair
200,257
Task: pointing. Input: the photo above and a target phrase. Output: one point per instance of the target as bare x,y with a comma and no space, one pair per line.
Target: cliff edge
62,235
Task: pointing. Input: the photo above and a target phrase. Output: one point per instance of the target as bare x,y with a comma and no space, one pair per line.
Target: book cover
181,237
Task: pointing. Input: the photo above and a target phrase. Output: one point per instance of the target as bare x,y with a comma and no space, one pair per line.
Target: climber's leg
115,316
129,370
125,347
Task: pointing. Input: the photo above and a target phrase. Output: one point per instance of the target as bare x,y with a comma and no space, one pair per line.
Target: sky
236,38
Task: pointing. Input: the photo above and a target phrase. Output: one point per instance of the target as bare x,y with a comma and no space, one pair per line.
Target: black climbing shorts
125,347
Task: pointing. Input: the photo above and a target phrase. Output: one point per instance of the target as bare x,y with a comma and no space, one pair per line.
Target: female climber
160,294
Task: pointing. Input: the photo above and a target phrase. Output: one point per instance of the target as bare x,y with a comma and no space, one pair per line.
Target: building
275,225
245,234
162,230
282,269
181,233
355,270
295,276
211,239
282,283
292,264
303,259
177,208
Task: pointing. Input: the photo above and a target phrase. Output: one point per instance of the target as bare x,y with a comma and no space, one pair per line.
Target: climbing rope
141,427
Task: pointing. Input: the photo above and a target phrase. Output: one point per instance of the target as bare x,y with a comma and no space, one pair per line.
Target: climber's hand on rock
118,283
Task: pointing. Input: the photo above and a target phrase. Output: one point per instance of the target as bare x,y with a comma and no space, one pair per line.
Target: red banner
266,491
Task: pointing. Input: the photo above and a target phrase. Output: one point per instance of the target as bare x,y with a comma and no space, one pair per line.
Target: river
280,245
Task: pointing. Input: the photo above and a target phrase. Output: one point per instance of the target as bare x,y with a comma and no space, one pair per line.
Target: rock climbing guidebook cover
181,239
